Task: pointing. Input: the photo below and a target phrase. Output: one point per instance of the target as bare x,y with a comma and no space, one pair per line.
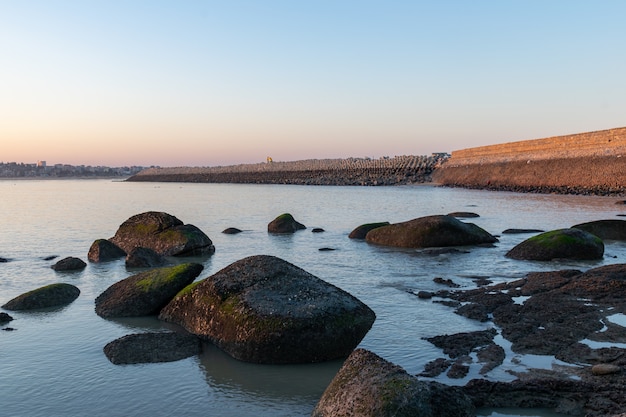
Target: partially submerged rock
69,264
145,293
144,258
285,223
361,231
367,385
559,244
103,250
163,233
263,309
5,318
430,231
231,231
463,214
53,295
605,229
152,347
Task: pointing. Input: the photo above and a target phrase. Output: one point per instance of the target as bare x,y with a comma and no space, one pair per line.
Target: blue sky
224,82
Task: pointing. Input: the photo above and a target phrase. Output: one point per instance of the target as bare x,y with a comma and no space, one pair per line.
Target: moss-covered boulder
103,250
69,264
430,231
263,309
559,244
285,223
369,386
145,293
612,229
361,231
53,295
152,348
163,233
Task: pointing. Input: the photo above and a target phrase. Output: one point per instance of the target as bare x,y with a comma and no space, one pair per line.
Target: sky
208,83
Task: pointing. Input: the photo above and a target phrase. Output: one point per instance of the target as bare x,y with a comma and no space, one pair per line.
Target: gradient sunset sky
205,83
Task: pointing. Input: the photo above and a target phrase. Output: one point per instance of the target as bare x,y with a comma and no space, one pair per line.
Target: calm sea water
53,363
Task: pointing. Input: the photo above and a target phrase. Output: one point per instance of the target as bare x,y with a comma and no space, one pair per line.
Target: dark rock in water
318,230
605,229
559,244
145,293
51,257
69,264
144,258
326,249
164,234
9,329
463,214
103,250
424,295
448,282
436,367
285,223
430,231
5,318
521,231
152,347
369,386
361,231
231,231
52,295
2,260
461,344
263,309
458,370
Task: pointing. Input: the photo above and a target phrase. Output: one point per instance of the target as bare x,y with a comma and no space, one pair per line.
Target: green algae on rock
163,233
263,309
145,293
52,295
559,244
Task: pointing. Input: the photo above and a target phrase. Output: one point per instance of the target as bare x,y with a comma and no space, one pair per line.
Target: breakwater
586,163
399,170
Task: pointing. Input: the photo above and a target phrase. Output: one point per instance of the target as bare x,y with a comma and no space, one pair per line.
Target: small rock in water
605,369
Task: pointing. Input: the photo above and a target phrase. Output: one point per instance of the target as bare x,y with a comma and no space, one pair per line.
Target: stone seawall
399,170
586,163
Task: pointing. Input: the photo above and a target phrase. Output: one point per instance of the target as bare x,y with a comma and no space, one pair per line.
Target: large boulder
164,234
103,250
285,223
559,244
263,309
53,295
430,231
152,347
605,229
361,231
367,385
145,293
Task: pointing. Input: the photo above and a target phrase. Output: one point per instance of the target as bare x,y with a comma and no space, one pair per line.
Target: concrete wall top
600,143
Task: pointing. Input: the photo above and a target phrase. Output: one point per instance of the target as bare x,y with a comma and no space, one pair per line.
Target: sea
52,362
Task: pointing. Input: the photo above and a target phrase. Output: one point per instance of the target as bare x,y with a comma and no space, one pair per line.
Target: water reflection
277,382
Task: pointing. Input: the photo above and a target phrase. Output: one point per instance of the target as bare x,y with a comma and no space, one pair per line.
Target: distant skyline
206,83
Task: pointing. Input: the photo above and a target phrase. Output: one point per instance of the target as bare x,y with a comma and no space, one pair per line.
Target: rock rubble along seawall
351,171
585,163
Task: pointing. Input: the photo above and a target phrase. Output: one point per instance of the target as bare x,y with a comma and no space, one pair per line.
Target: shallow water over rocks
53,363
